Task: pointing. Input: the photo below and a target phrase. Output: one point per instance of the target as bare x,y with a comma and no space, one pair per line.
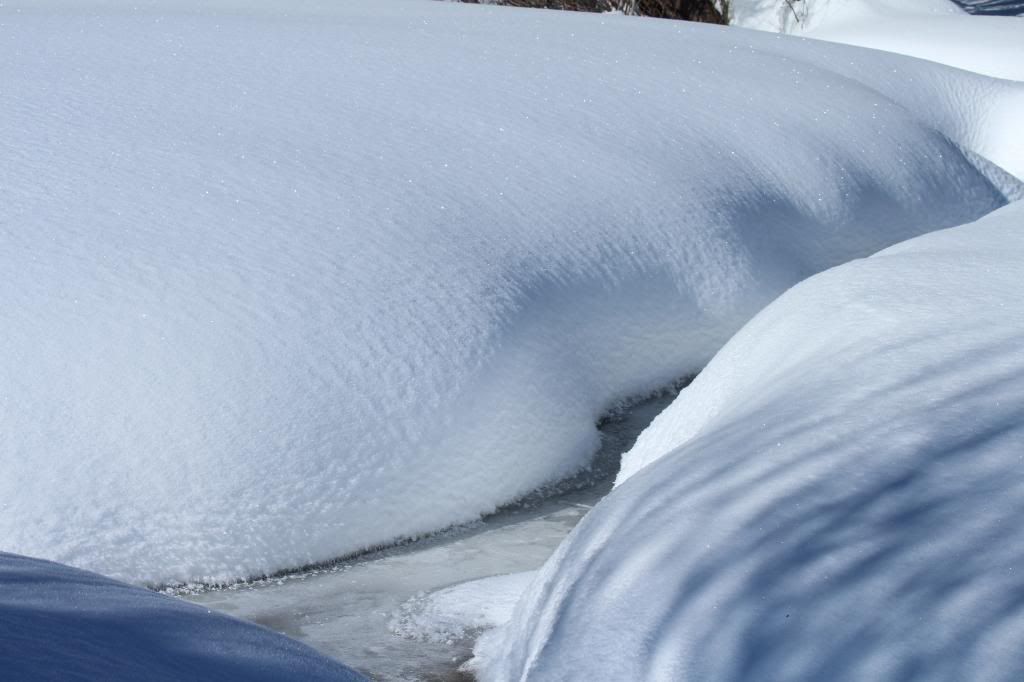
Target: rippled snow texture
282,281
839,495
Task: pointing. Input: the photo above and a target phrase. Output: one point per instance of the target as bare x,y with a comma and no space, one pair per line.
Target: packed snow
60,623
837,496
937,30
285,281
462,609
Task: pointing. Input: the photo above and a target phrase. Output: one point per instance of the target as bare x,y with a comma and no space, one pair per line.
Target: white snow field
282,281
837,496
937,30
60,623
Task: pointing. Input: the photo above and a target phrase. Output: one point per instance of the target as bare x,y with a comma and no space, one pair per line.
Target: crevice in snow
596,476
353,611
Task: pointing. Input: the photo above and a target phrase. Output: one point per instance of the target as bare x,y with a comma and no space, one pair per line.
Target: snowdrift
60,623
936,30
281,281
839,495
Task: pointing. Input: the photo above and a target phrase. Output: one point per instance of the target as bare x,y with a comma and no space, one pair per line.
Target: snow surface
461,610
839,495
352,610
936,30
285,280
61,623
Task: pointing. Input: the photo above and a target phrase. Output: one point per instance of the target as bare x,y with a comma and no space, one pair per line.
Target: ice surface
282,281
59,623
839,495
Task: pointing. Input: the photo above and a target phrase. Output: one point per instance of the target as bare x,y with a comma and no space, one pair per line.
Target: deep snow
59,623
837,496
283,281
937,30
412,612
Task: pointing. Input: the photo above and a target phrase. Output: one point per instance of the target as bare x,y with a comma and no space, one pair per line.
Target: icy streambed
348,610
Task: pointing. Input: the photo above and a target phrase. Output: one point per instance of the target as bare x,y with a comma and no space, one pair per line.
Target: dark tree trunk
691,10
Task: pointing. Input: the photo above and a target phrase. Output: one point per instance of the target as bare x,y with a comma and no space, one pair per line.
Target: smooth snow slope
281,281
838,496
937,30
60,623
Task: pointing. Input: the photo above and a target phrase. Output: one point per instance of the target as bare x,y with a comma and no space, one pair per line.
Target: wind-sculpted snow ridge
60,623
839,495
281,281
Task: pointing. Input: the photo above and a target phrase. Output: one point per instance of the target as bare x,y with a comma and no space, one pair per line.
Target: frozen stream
346,610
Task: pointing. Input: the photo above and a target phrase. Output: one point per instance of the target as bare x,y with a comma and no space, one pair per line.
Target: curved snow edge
845,469
60,623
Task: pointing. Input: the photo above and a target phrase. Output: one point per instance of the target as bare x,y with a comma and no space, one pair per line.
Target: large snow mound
285,280
61,623
839,495
936,30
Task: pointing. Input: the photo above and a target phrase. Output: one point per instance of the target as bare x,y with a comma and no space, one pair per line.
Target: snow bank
936,30
839,495
798,16
61,623
281,280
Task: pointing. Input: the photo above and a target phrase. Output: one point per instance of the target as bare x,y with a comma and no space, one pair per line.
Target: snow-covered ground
59,623
412,612
283,281
937,30
837,496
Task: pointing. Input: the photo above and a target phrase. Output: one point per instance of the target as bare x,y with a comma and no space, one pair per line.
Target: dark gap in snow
1006,8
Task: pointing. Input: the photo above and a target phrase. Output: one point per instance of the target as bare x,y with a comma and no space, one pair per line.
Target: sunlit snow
929,29
284,281
837,496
